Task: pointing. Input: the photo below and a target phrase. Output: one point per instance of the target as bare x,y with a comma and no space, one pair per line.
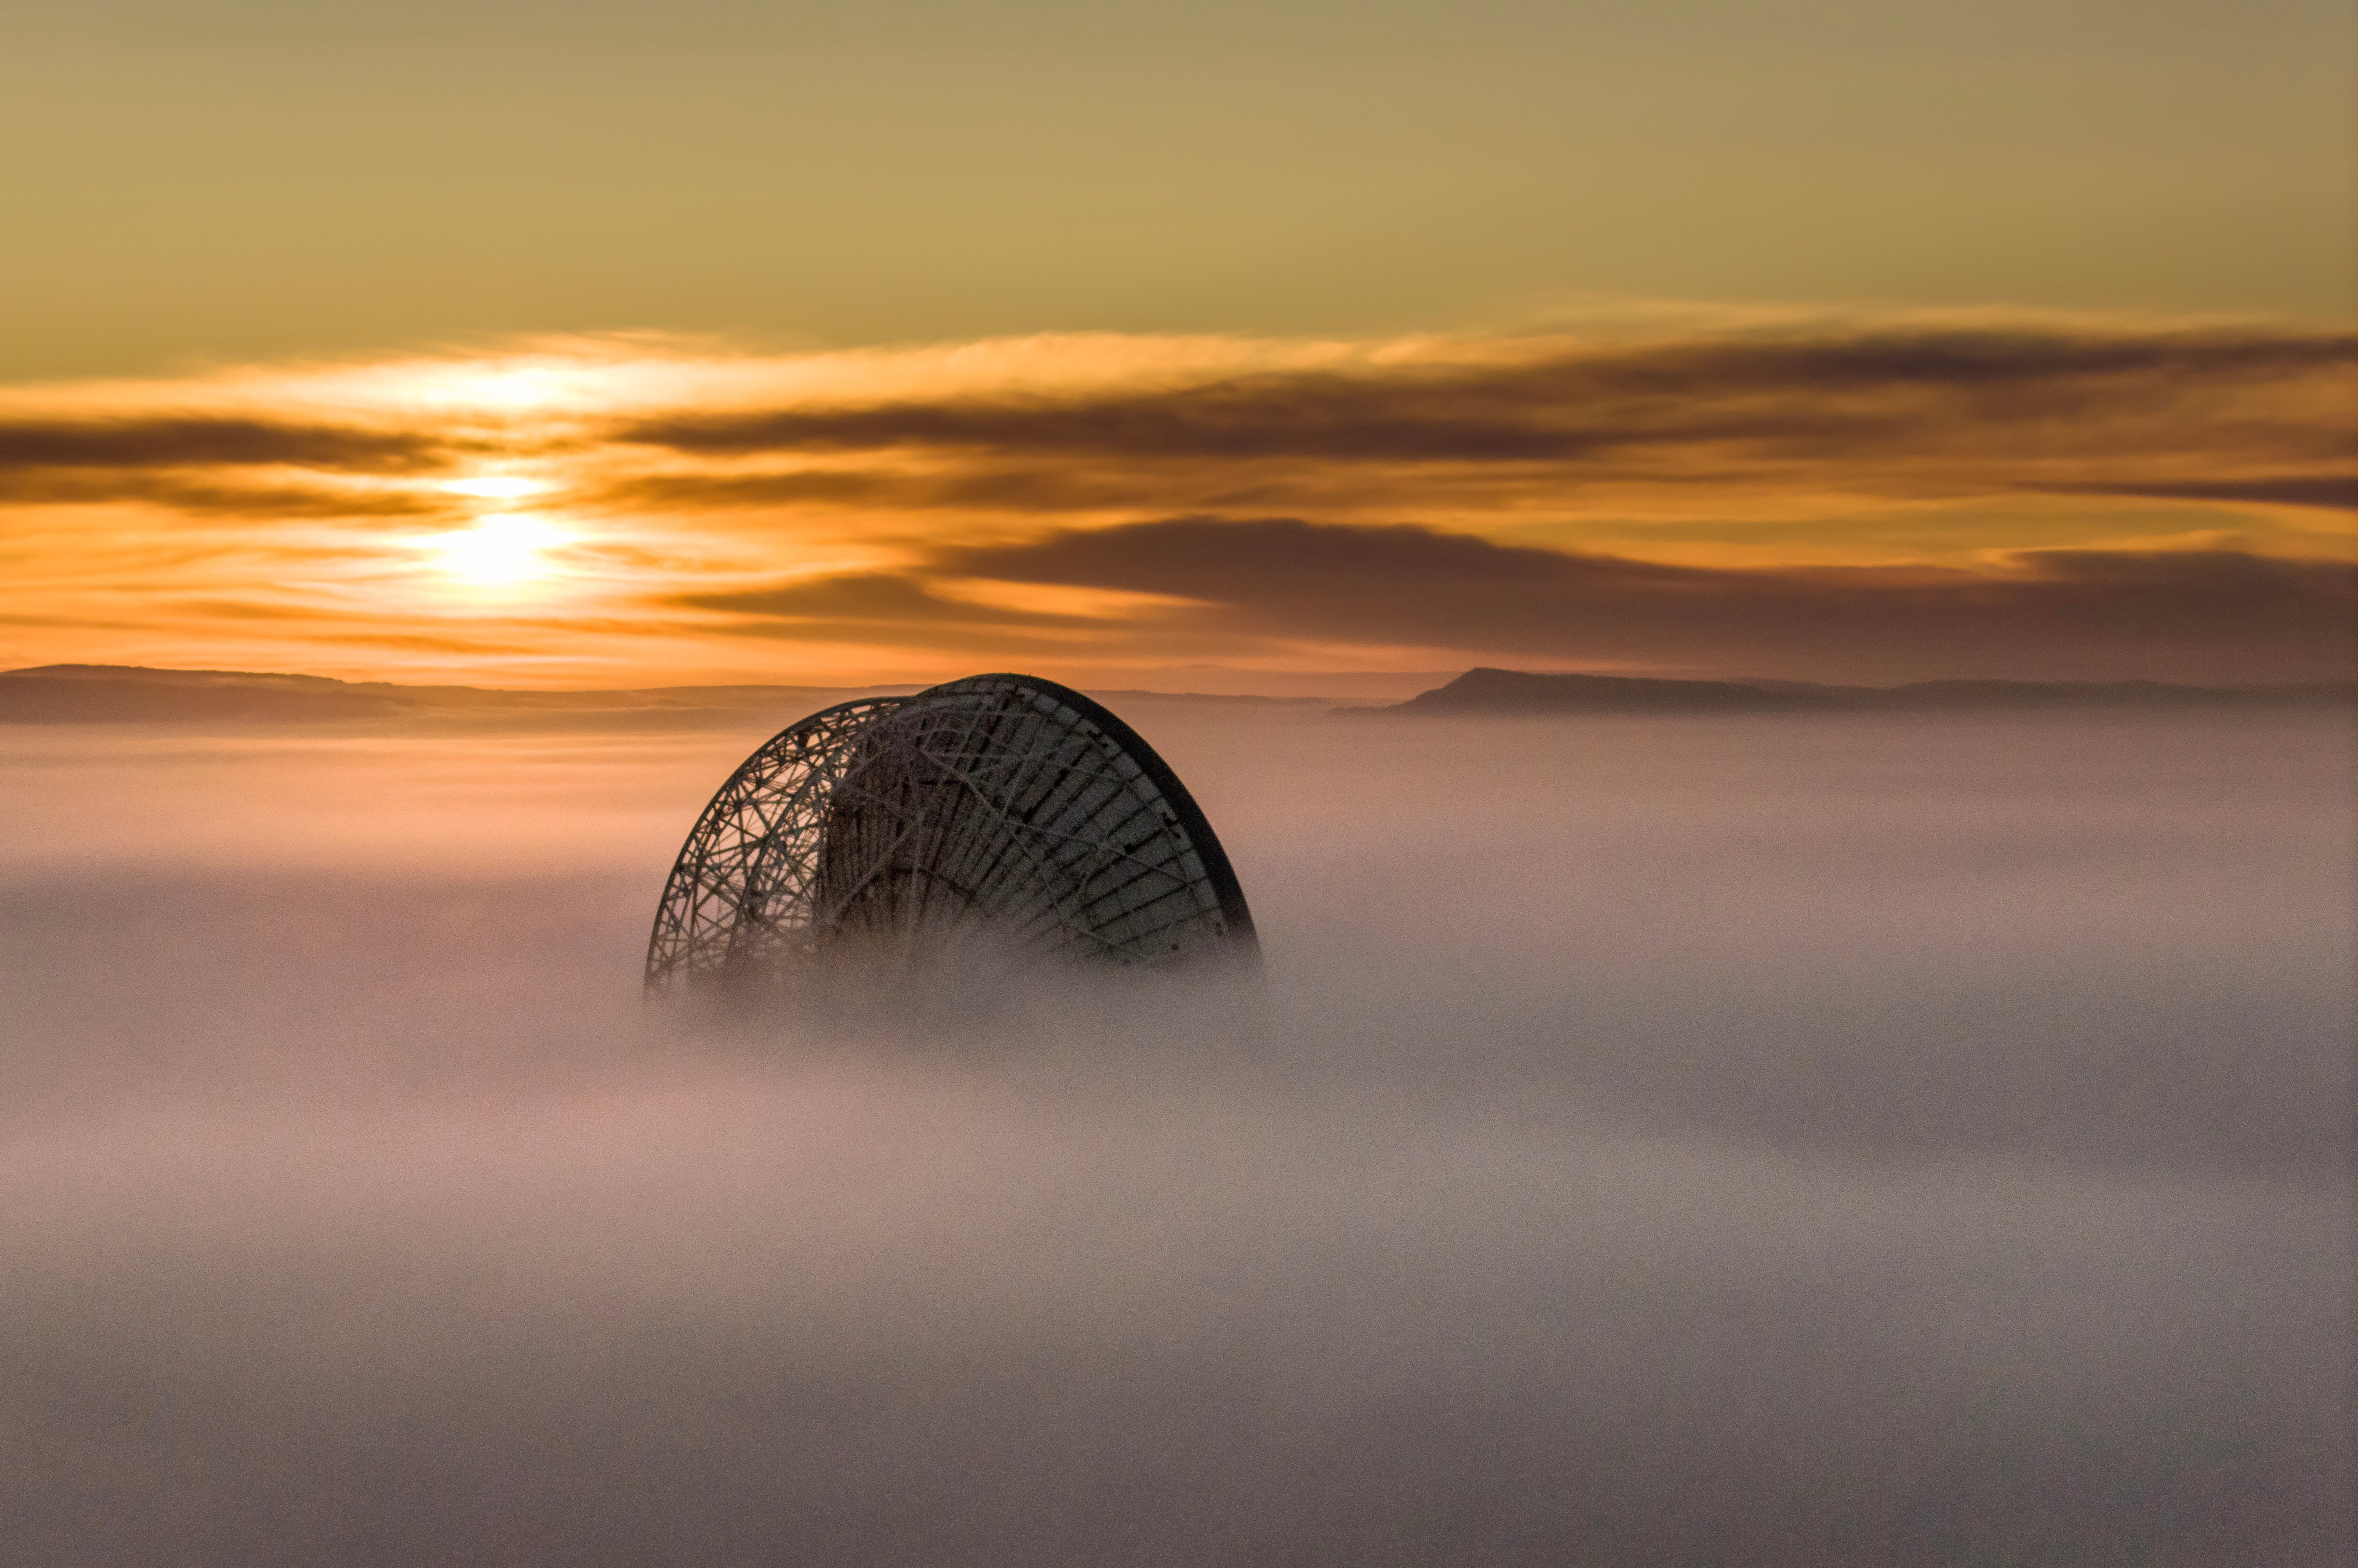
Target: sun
504,549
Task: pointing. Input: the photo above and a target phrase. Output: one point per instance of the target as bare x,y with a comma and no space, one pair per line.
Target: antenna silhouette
1000,807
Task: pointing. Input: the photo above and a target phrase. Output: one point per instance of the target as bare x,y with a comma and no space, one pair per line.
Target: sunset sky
597,344
1652,1126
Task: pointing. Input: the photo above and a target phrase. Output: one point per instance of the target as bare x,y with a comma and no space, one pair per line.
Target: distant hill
1519,691
129,694
126,694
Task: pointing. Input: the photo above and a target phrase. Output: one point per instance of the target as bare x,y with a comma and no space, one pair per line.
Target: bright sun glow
494,487
503,549
511,388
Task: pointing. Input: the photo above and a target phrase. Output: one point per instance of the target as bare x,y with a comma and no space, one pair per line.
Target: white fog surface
1774,1140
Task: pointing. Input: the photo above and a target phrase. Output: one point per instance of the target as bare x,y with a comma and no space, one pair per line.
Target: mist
1769,1140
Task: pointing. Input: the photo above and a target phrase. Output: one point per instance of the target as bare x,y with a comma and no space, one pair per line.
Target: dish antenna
999,806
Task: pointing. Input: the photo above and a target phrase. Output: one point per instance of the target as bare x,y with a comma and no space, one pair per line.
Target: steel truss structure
1001,807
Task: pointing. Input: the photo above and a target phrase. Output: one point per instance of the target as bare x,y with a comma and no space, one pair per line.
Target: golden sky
603,344
1902,498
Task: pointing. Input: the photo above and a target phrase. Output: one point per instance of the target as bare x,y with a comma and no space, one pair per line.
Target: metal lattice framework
1000,804
740,894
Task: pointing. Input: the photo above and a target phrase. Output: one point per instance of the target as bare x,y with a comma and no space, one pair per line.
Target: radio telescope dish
1000,807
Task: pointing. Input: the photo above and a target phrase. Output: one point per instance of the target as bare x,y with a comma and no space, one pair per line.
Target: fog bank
1773,1140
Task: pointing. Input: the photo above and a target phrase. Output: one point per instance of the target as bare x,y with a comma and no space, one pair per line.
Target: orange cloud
1922,497
1271,586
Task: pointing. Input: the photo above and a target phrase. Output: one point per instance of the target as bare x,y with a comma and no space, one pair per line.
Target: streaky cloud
220,494
1884,392
2336,492
2210,613
213,441
1879,500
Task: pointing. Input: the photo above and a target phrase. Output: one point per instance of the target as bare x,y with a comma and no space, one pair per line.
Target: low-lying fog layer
1759,1141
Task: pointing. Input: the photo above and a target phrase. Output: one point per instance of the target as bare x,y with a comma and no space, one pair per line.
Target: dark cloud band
1889,395
145,443
2218,615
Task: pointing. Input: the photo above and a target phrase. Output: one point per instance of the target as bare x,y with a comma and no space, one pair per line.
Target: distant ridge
132,694
1518,691
129,694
